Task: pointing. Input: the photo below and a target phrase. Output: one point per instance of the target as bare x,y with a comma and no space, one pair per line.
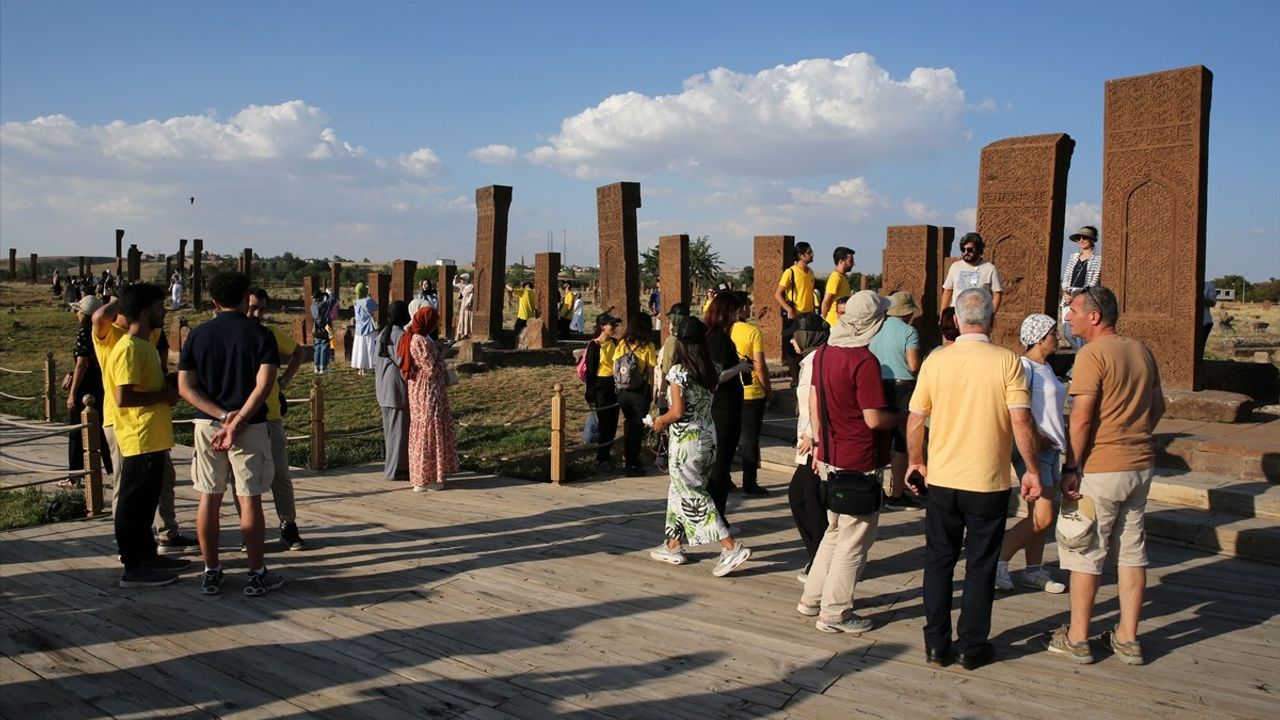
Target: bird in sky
193,201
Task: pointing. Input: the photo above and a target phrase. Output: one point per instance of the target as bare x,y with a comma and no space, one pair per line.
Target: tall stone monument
1022,198
673,272
946,239
35,269
541,332
402,272
773,254
492,204
1154,193
119,252
197,274
380,291
911,257
335,279
446,271
84,266
135,264
616,207
13,263
182,256
246,263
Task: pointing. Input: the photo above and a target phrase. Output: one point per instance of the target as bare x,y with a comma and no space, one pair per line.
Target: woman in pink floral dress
433,448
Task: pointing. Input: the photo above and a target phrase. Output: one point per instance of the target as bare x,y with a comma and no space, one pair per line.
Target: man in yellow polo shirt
144,432
837,284
526,309
291,356
749,342
975,395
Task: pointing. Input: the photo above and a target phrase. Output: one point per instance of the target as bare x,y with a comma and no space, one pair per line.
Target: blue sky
363,129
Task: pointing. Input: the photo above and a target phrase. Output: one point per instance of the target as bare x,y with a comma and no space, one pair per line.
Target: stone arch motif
1150,218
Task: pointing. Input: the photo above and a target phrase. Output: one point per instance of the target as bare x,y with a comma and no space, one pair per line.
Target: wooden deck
505,599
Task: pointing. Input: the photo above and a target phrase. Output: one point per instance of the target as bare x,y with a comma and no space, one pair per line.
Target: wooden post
50,388
92,434
558,470
317,426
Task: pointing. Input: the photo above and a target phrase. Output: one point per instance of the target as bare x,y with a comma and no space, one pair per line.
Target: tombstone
616,207
168,269
119,252
402,272
246,263
946,240
197,273
13,263
379,289
911,265
135,264
335,279
492,204
80,271
1022,197
310,284
182,254
302,329
446,270
772,256
178,331
673,273
35,268
541,331
1154,182
862,282
346,340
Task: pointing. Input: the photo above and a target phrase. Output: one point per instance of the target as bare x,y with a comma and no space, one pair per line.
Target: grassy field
503,417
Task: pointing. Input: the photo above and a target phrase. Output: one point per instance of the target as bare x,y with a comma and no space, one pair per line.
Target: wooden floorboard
506,600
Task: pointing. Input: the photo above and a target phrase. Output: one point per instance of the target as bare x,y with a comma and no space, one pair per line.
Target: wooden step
1215,532
1217,493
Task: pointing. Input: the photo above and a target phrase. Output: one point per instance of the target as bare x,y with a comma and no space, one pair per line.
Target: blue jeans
1074,341
1050,463
321,355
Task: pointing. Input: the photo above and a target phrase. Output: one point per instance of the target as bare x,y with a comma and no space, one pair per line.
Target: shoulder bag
847,492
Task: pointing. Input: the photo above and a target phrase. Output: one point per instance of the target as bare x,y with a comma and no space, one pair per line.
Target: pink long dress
433,446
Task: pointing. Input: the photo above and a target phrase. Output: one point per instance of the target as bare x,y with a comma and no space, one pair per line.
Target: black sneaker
145,577
211,582
161,562
754,491
290,537
262,583
176,541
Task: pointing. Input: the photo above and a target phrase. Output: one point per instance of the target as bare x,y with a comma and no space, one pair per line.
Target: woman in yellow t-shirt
633,361
600,392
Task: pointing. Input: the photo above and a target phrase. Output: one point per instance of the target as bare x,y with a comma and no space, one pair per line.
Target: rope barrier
16,397
352,433
29,426
67,429
328,399
588,410
69,475
592,446
296,438
17,372
31,468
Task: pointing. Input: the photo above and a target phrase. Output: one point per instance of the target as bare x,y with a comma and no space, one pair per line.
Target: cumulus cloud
812,117
1080,214
853,198
496,155
966,219
918,210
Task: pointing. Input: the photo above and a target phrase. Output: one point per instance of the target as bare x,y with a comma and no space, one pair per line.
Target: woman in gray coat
393,393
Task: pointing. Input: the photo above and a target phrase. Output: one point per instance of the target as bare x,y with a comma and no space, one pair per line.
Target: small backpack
582,363
627,374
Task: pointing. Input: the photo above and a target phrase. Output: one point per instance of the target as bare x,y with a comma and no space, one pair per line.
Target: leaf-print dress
691,514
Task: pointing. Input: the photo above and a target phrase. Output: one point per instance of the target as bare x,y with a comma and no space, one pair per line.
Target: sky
364,129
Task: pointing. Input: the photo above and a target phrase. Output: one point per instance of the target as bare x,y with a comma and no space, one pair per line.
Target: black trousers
749,440
603,396
806,508
140,479
75,441
727,415
635,405
974,520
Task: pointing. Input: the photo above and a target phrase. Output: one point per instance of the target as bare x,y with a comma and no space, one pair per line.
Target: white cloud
422,162
812,117
918,210
853,198
496,155
966,220
1081,214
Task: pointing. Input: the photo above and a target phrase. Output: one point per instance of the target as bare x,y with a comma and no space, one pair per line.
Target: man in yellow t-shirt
526,309
749,342
837,284
144,431
566,309
291,356
795,287
109,326
975,395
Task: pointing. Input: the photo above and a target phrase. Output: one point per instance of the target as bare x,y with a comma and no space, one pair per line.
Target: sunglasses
969,250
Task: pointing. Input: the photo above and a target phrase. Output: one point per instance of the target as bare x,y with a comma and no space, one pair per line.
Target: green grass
32,506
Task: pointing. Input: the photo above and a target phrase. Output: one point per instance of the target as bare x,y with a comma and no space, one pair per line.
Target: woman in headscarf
362,348
433,449
806,505
393,393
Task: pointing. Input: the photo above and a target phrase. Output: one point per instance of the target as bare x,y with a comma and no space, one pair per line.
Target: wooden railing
91,430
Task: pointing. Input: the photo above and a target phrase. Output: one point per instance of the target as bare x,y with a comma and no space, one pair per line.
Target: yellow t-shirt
285,342
799,287
748,340
967,390
566,305
608,350
706,306
646,355
528,298
135,363
102,349
837,286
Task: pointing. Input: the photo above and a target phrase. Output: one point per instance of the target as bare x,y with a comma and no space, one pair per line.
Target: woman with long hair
726,404
692,517
393,393
433,448
636,344
600,393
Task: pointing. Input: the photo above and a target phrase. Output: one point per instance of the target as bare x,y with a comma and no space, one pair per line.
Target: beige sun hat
1076,523
901,304
863,317
87,305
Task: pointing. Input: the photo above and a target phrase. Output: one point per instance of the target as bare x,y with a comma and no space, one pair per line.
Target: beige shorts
248,461
1120,499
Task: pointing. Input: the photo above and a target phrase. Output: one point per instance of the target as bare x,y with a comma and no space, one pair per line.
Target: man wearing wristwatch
227,367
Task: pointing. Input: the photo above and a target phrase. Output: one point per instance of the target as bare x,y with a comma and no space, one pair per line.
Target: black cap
678,309
605,318
722,287
743,297
691,330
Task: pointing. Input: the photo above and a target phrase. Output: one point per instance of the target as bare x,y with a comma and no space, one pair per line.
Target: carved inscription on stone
773,254
541,332
1154,181
616,207
402,272
492,204
673,271
1022,197
911,257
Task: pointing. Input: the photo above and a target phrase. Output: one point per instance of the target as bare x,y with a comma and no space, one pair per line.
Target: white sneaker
803,577
731,559
1041,580
662,553
808,610
1003,580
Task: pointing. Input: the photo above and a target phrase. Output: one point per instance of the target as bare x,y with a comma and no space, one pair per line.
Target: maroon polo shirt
850,377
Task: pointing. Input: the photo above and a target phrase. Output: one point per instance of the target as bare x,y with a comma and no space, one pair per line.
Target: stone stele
771,257
912,255
492,205
1154,182
1022,198
673,272
616,207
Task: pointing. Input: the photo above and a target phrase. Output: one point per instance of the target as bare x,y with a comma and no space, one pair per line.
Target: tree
704,263
747,278
649,268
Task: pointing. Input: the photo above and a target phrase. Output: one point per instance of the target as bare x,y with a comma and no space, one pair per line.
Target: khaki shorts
248,461
1120,499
